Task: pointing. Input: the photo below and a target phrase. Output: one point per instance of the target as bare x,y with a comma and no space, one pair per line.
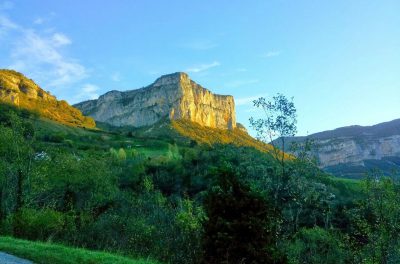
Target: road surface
9,259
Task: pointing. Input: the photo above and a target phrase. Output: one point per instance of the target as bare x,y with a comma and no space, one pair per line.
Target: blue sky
340,60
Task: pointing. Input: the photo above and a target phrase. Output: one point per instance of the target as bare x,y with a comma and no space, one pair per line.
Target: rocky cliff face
18,90
172,96
14,88
354,150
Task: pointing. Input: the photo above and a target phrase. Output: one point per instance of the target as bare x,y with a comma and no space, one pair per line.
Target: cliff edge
173,96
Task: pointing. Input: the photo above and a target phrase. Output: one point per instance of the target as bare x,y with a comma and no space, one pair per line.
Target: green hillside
160,193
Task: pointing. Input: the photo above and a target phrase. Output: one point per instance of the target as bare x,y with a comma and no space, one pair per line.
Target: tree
121,154
16,162
314,246
279,122
239,228
377,219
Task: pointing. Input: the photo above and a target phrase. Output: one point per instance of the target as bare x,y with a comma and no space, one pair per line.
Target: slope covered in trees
180,202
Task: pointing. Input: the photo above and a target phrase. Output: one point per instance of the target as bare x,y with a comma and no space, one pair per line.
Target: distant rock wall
172,96
355,150
355,145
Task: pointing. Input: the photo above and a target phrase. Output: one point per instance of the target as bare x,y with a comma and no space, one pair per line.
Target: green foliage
16,156
239,226
187,218
70,182
121,154
55,138
165,199
314,246
41,224
279,121
114,153
376,221
173,152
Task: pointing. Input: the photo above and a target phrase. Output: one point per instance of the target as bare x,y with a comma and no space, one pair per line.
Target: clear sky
340,60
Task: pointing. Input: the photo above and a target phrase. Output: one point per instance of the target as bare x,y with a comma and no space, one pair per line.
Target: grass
43,125
46,253
349,189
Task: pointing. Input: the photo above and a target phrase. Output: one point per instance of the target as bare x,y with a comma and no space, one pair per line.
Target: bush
39,224
6,226
316,245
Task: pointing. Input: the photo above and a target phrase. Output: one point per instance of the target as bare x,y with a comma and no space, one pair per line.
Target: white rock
172,96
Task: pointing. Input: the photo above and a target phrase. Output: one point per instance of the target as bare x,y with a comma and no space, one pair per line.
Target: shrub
314,246
39,224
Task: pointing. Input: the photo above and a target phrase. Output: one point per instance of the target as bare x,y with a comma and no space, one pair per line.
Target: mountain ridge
354,150
174,95
387,128
48,107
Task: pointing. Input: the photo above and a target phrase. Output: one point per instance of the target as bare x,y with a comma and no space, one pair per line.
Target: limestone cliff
172,96
356,149
18,90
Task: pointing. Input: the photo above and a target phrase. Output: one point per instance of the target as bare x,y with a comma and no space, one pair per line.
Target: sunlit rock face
14,88
172,96
18,90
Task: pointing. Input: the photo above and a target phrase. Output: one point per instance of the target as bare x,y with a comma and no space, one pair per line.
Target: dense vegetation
182,202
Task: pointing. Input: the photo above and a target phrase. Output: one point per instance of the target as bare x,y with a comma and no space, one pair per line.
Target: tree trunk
19,201
2,216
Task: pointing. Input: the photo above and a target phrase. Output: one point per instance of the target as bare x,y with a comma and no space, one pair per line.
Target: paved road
9,259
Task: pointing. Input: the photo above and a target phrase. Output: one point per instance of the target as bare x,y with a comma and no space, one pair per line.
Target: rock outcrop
242,128
172,96
20,91
356,149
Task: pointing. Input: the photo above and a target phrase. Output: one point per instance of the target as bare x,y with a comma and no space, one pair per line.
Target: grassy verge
45,253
